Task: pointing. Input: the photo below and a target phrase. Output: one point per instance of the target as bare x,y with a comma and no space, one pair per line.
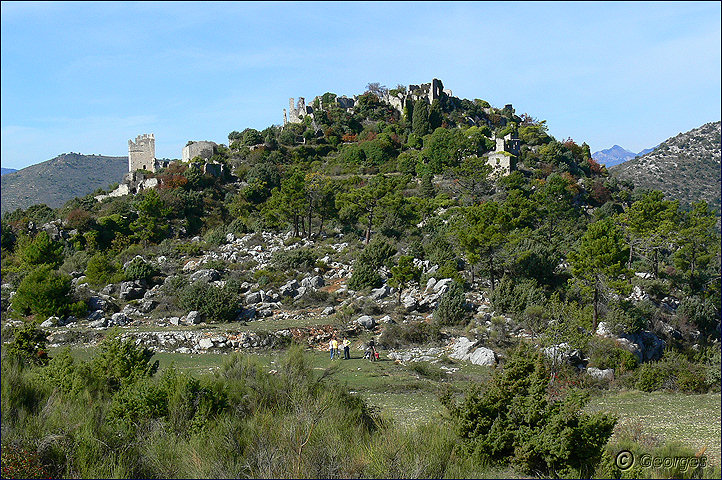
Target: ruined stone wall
203,149
141,153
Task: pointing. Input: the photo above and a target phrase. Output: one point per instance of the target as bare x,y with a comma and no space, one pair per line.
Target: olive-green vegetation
557,247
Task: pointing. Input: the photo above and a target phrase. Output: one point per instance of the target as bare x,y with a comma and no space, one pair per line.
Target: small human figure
334,348
346,349
330,348
372,350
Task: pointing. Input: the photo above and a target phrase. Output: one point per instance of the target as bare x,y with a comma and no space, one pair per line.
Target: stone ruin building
504,156
427,91
203,149
141,153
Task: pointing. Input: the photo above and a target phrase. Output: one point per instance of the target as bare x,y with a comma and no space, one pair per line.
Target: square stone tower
141,153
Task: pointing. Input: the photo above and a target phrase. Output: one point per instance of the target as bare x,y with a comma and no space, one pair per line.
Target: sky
87,77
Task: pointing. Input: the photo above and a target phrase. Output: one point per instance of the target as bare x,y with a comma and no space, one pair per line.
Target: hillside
685,167
3,171
60,179
616,155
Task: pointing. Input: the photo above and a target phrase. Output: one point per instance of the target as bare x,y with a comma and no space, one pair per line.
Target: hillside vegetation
391,230
685,168
60,179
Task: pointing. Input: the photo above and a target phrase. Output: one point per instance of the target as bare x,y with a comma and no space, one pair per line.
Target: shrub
298,259
120,363
216,304
20,463
515,421
139,269
44,292
604,353
28,344
413,333
673,372
364,276
42,251
451,309
102,271
377,252
514,297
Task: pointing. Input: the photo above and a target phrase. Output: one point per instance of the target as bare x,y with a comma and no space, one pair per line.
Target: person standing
330,347
372,348
334,348
346,349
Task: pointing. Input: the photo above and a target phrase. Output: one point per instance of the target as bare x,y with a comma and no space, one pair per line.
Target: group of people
370,353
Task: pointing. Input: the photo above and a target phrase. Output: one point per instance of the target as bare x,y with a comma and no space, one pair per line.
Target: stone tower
141,153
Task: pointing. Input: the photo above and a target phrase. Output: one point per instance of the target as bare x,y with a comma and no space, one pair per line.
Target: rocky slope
685,167
60,179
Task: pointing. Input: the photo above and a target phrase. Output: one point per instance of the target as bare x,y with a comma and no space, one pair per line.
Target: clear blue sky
86,77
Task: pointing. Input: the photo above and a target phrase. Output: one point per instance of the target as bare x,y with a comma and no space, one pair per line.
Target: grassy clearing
693,420
402,393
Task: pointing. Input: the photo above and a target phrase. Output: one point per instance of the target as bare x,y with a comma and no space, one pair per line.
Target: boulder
379,293
328,311
147,305
409,303
108,289
98,303
289,289
366,322
300,292
386,319
193,318
315,282
120,319
430,285
253,298
101,323
606,374
482,356
131,290
96,315
47,323
442,286
174,320
205,275
205,343
461,348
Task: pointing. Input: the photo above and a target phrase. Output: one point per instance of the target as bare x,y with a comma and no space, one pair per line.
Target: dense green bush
297,259
604,353
28,344
673,372
216,304
364,276
377,253
412,333
45,292
451,308
513,297
515,421
139,269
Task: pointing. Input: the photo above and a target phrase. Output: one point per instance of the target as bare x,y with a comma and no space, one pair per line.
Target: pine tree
420,120
427,187
435,115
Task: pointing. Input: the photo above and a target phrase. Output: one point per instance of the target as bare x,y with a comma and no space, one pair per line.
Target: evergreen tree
427,187
435,115
420,124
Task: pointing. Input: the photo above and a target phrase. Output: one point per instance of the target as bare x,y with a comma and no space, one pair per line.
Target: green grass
402,392
693,420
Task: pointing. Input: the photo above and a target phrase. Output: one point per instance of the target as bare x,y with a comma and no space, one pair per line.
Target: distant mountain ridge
60,179
3,170
616,155
686,167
